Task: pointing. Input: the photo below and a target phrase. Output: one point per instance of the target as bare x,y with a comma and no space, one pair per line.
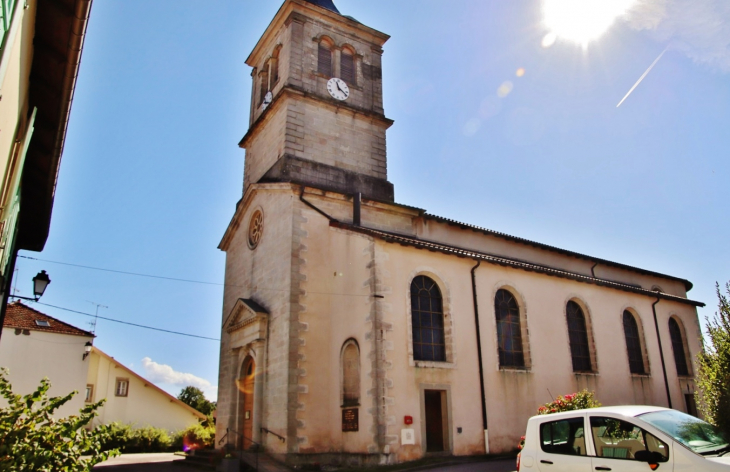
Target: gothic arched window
324,58
509,333
350,374
680,359
578,336
427,319
633,344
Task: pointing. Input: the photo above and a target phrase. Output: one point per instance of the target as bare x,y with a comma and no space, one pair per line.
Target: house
132,399
35,345
40,52
356,330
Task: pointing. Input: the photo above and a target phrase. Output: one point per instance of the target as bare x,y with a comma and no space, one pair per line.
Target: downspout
661,351
479,356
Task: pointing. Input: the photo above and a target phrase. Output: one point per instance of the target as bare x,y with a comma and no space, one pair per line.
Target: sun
582,21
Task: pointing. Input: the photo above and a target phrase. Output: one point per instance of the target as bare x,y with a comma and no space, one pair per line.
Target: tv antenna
96,314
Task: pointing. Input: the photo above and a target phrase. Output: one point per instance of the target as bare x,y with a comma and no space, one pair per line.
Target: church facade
357,330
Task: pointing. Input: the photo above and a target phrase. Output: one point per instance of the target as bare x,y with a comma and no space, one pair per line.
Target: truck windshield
699,436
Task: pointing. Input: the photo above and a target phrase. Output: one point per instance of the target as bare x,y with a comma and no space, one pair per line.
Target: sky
504,118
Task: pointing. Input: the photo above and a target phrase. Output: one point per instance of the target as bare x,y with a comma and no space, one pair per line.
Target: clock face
267,99
338,88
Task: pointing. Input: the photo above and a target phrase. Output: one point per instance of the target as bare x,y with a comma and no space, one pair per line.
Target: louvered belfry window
578,336
680,359
633,344
324,60
509,332
347,67
427,320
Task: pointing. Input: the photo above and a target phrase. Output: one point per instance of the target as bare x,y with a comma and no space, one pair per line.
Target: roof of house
411,241
147,383
21,316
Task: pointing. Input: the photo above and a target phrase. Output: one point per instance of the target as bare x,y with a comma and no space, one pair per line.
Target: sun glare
582,21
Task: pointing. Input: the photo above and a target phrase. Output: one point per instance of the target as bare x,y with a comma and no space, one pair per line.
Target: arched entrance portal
246,401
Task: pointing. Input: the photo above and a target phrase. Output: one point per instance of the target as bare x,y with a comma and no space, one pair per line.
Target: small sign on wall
407,436
350,420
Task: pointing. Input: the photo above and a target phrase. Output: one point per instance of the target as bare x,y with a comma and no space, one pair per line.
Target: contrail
642,76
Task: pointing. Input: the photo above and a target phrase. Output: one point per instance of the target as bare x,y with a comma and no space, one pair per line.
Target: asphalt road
164,463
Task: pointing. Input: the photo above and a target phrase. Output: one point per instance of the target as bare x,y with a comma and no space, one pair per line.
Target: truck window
622,440
563,436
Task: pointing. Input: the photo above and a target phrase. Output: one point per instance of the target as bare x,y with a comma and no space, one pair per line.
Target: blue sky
151,170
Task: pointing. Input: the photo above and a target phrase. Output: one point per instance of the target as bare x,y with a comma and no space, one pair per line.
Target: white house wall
43,354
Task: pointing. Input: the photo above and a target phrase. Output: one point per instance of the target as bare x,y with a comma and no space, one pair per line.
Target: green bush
147,439
198,437
32,440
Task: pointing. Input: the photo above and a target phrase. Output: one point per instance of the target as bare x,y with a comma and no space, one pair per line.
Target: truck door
618,441
563,446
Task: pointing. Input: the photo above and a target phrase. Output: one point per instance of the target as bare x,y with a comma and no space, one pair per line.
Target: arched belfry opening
246,384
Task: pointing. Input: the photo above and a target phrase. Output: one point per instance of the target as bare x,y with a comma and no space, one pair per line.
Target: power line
121,271
128,323
136,274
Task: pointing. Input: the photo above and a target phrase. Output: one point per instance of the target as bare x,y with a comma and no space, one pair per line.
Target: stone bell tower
316,113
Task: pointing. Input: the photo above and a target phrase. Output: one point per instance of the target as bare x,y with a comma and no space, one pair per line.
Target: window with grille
578,337
350,374
324,59
680,359
633,344
347,67
122,388
427,320
509,334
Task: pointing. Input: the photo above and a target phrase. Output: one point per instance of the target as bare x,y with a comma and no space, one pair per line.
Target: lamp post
87,350
40,282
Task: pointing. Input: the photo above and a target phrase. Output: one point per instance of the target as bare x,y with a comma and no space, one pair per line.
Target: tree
31,440
713,377
195,397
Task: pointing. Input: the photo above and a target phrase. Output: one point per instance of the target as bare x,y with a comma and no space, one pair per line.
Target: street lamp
40,282
87,350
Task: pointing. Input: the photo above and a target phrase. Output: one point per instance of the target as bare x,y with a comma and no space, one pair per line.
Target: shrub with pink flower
572,401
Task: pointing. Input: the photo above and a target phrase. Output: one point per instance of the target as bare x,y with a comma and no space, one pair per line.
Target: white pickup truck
622,439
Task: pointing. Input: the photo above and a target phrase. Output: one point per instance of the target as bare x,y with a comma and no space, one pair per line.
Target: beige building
357,330
131,399
35,345
40,52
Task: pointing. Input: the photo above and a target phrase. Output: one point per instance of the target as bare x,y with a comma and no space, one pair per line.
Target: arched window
263,84
350,374
633,344
324,58
274,67
347,67
509,334
680,359
578,336
427,320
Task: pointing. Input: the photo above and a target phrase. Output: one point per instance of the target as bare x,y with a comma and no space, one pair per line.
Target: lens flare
520,72
582,21
504,89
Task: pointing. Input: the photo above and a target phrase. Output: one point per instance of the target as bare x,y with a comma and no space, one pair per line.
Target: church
360,331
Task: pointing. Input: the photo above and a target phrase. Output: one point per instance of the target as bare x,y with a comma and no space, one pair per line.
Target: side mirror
652,458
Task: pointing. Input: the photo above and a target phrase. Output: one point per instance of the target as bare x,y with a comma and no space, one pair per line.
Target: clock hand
338,87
